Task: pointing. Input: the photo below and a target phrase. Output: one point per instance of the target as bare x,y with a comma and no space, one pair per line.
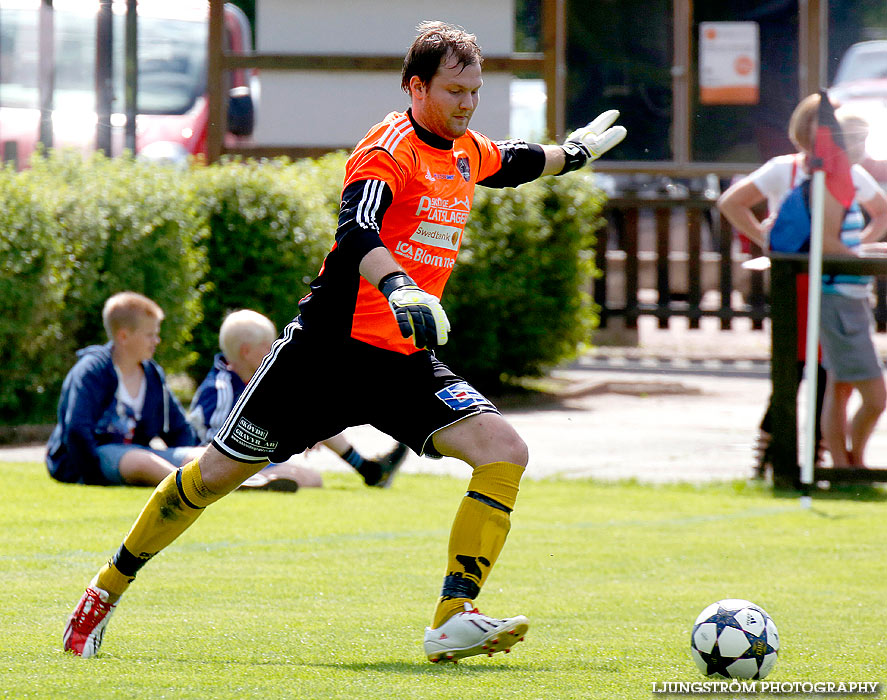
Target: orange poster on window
729,65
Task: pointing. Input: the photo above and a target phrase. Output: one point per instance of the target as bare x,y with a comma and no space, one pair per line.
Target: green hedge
517,299
79,231
272,224
207,240
32,289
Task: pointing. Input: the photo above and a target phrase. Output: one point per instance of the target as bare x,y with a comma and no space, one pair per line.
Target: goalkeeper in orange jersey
363,344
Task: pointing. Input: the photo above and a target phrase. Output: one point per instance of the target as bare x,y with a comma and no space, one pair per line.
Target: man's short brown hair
435,42
126,309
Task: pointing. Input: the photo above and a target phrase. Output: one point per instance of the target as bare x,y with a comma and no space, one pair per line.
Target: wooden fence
676,256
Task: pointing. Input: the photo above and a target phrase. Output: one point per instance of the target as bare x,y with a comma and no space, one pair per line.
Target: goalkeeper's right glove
591,141
418,313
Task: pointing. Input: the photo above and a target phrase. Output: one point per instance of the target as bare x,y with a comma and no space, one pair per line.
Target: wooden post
215,82
131,85
663,263
631,268
812,46
46,70
104,88
726,267
757,296
783,373
680,81
694,265
554,43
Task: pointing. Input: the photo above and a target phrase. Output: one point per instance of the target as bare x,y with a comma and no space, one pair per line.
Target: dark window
619,56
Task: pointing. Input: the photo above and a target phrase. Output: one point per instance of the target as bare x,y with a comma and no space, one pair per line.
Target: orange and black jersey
411,191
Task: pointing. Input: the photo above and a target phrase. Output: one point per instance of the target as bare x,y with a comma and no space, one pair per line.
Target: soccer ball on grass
735,639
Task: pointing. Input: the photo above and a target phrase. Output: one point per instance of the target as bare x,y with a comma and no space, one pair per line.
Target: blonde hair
241,327
805,119
126,309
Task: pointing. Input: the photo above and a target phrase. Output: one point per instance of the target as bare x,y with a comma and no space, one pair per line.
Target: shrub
132,225
516,299
32,287
271,224
101,226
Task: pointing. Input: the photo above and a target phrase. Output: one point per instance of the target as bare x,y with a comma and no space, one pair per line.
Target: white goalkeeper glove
418,313
591,141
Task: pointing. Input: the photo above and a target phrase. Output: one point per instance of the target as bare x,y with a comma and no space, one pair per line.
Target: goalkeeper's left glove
418,313
591,141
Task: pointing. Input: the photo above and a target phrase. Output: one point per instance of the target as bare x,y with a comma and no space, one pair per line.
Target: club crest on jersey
464,168
462,395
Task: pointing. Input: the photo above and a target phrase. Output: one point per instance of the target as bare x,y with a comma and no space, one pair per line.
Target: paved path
690,415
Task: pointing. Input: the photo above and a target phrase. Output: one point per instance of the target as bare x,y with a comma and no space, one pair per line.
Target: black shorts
306,391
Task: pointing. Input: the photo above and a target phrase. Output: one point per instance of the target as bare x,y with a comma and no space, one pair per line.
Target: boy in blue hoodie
115,400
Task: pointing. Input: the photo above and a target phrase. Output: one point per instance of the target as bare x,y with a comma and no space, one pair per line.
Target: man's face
444,106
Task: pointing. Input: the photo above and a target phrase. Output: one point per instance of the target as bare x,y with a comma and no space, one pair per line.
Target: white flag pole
814,298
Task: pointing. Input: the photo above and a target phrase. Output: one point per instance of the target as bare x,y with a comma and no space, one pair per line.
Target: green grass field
325,593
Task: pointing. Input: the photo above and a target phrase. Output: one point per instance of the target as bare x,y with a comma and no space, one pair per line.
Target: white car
860,88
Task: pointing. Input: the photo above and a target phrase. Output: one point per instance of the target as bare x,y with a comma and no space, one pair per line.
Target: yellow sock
111,580
176,503
478,535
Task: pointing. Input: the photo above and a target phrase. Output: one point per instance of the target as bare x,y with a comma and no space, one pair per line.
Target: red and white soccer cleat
86,626
470,633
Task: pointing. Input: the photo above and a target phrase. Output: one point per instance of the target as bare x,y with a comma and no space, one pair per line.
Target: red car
172,56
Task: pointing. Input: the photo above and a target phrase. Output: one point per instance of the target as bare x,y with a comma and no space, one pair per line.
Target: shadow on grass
838,492
553,394
405,668
425,667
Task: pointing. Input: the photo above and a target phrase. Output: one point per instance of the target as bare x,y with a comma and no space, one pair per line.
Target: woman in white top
848,350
